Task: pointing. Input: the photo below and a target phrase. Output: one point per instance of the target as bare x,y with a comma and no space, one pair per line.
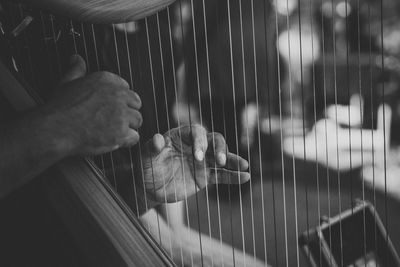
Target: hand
172,173
93,114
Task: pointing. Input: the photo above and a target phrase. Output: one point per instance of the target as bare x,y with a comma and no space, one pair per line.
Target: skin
97,113
90,114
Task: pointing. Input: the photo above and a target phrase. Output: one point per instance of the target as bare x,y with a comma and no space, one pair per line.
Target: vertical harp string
131,83
221,94
384,130
168,122
372,124
326,127
337,128
246,115
258,128
361,131
191,134
178,105
235,118
349,97
315,132
199,99
281,137
184,62
72,32
156,115
210,89
292,125
140,144
272,170
303,118
97,68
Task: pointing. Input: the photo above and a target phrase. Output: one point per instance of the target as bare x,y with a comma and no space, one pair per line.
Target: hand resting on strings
185,160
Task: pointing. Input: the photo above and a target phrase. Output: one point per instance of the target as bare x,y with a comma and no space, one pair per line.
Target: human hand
93,114
187,159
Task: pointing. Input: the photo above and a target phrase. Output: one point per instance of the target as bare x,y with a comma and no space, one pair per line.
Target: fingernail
222,158
199,155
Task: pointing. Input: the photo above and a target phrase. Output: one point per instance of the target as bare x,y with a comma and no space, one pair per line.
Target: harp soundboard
306,90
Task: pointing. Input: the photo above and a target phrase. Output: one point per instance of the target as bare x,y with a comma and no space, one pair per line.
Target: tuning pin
21,27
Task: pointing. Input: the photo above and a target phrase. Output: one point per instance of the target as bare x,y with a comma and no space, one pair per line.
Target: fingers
131,138
200,143
157,143
77,69
219,147
224,176
235,162
133,100
134,118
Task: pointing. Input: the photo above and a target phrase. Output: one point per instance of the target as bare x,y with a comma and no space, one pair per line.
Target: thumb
76,69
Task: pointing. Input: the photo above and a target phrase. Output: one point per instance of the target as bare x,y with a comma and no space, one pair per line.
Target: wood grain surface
102,11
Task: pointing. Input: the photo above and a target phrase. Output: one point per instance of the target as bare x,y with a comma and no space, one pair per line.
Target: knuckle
137,99
218,136
137,118
105,75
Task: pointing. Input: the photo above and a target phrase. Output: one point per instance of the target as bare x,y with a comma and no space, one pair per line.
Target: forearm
28,147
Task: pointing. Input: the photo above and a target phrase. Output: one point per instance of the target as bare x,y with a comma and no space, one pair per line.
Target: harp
301,88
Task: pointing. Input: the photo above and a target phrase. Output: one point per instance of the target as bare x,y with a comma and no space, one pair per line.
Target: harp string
114,176
326,129
247,122
338,176
290,80
281,138
97,68
315,132
372,123
258,134
72,31
384,130
361,115
140,145
178,106
272,172
168,122
156,114
210,89
292,126
55,46
191,134
85,48
349,109
128,55
184,63
235,119
201,112
303,118
225,134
